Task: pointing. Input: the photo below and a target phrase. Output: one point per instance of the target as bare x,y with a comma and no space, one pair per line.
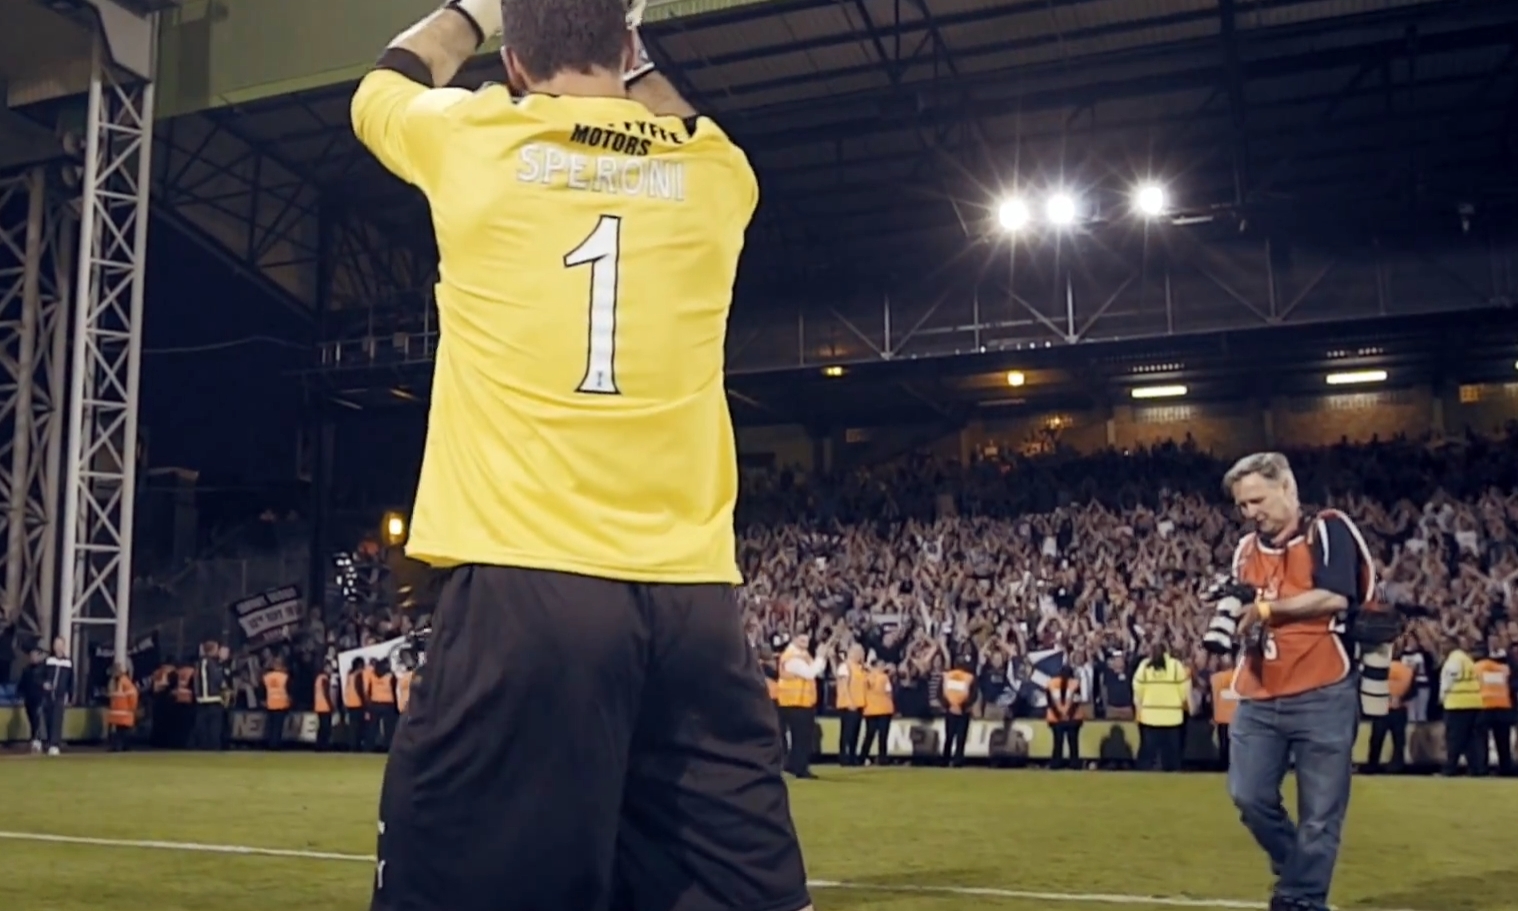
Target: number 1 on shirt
602,251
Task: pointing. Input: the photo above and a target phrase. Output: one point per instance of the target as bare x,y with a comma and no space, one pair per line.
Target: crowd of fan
928,563
999,564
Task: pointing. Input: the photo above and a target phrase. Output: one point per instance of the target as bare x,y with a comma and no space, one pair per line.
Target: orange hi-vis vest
878,700
1496,684
184,692
276,691
353,693
851,687
1399,681
403,690
382,689
795,692
320,700
123,710
957,686
1061,698
1300,655
1224,700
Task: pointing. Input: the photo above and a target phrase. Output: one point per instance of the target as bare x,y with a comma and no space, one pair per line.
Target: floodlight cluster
1062,209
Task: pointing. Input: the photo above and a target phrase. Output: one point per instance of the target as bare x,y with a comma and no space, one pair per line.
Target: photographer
1298,690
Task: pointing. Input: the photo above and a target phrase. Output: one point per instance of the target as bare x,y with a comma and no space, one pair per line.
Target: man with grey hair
1297,686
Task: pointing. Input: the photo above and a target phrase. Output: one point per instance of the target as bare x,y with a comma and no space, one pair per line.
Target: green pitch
893,840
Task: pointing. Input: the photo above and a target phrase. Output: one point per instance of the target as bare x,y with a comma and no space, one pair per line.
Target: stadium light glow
1060,210
1150,200
1159,392
1013,214
1016,378
833,371
395,528
1354,377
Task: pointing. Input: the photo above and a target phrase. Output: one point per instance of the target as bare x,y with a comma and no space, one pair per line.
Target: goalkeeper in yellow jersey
593,731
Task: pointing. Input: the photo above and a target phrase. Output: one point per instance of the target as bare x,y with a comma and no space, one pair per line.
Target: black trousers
1393,724
55,711
1221,730
385,716
274,728
956,729
850,721
36,721
582,743
324,731
1067,744
210,721
877,727
1461,727
120,739
1160,747
800,730
1497,724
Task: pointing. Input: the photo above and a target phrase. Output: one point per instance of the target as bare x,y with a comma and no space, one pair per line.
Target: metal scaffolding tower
36,239
100,471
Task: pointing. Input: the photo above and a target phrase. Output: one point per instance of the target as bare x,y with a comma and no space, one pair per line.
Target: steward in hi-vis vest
796,691
958,703
849,684
879,708
1064,717
122,714
1496,723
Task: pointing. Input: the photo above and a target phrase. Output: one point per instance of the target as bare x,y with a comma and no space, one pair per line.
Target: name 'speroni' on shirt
627,171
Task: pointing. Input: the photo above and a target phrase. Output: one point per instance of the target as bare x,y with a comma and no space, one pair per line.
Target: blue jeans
1318,730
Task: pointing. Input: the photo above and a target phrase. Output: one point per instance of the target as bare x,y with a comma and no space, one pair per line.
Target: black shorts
578,744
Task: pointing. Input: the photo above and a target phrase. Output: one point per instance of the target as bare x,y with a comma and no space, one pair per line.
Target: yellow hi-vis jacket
794,691
1161,694
1464,690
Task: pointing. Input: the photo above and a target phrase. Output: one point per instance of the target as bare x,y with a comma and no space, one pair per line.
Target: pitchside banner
1099,740
386,649
249,727
271,616
142,654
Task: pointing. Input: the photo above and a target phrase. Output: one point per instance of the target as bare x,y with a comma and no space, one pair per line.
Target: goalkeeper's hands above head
484,15
641,64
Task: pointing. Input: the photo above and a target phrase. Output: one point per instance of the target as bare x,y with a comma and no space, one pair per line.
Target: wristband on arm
483,15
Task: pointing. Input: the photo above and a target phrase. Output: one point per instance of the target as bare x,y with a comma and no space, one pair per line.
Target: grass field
887,839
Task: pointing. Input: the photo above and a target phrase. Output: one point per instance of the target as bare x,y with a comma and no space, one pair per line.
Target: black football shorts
578,744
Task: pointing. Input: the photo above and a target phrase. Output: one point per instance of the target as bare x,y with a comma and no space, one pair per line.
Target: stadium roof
885,131
1327,160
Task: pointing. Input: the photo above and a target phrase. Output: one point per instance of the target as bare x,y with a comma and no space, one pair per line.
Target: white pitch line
981,891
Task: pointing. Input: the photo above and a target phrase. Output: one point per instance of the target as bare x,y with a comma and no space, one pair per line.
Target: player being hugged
1297,580
592,730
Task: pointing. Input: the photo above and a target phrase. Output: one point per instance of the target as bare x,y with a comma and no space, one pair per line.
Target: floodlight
1060,210
1014,214
1016,378
1149,199
1354,377
1159,392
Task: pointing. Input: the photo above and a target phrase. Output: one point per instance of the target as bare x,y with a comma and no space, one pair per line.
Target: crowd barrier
1006,741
